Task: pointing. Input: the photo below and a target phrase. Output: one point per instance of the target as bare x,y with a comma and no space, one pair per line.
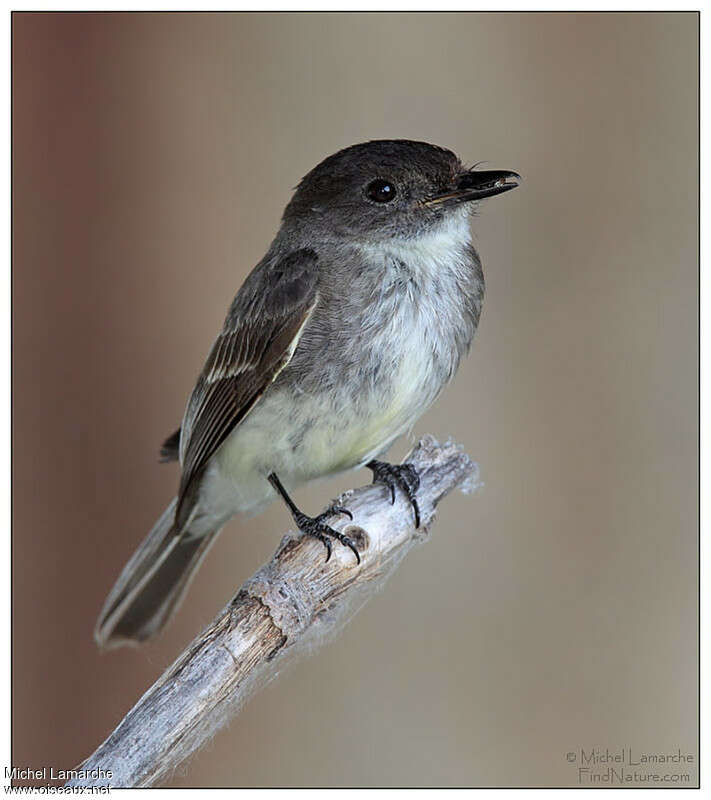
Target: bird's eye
381,191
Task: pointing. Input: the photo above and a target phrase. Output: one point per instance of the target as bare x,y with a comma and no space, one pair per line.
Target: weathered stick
291,605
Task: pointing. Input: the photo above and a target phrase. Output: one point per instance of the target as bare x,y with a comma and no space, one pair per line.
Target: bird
340,338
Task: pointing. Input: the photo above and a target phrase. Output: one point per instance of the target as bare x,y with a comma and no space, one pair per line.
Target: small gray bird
338,341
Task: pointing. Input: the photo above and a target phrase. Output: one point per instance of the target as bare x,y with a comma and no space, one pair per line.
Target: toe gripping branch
398,476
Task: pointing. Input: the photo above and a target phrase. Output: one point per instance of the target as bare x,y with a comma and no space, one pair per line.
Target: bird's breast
373,358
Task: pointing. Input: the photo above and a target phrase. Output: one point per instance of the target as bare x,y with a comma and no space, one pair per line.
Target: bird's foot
402,476
317,527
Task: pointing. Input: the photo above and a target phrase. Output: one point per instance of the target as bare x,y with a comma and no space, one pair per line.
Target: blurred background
554,609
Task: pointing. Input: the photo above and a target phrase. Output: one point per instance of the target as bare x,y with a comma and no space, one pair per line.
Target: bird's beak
473,185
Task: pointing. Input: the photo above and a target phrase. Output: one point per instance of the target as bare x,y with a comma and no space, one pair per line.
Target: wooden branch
290,606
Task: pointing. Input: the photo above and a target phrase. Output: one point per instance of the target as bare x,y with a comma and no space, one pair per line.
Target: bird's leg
316,526
403,476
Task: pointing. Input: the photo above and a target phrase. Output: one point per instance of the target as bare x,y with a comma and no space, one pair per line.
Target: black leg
402,476
316,526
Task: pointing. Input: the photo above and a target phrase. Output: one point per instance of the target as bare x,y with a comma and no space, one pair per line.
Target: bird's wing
258,340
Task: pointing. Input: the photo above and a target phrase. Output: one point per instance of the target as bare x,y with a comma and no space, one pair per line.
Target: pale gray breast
391,320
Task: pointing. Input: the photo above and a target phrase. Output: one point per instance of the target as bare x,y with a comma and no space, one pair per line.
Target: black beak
476,186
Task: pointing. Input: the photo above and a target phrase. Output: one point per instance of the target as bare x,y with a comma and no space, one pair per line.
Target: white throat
436,253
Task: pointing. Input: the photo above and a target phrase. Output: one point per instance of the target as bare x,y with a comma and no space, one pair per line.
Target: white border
291,5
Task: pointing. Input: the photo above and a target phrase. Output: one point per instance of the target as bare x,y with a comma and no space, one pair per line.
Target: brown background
554,609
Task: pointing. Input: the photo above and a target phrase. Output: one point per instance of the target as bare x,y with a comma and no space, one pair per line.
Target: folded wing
257,341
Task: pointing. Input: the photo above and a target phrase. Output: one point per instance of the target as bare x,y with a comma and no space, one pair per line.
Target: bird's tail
151,585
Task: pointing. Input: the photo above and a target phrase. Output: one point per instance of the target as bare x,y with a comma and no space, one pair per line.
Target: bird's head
391,188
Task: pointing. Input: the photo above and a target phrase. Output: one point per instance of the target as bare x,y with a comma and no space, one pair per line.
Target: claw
340,510
416,509
350,543
329,549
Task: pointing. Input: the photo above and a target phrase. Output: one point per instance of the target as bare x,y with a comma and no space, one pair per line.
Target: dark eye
381,191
